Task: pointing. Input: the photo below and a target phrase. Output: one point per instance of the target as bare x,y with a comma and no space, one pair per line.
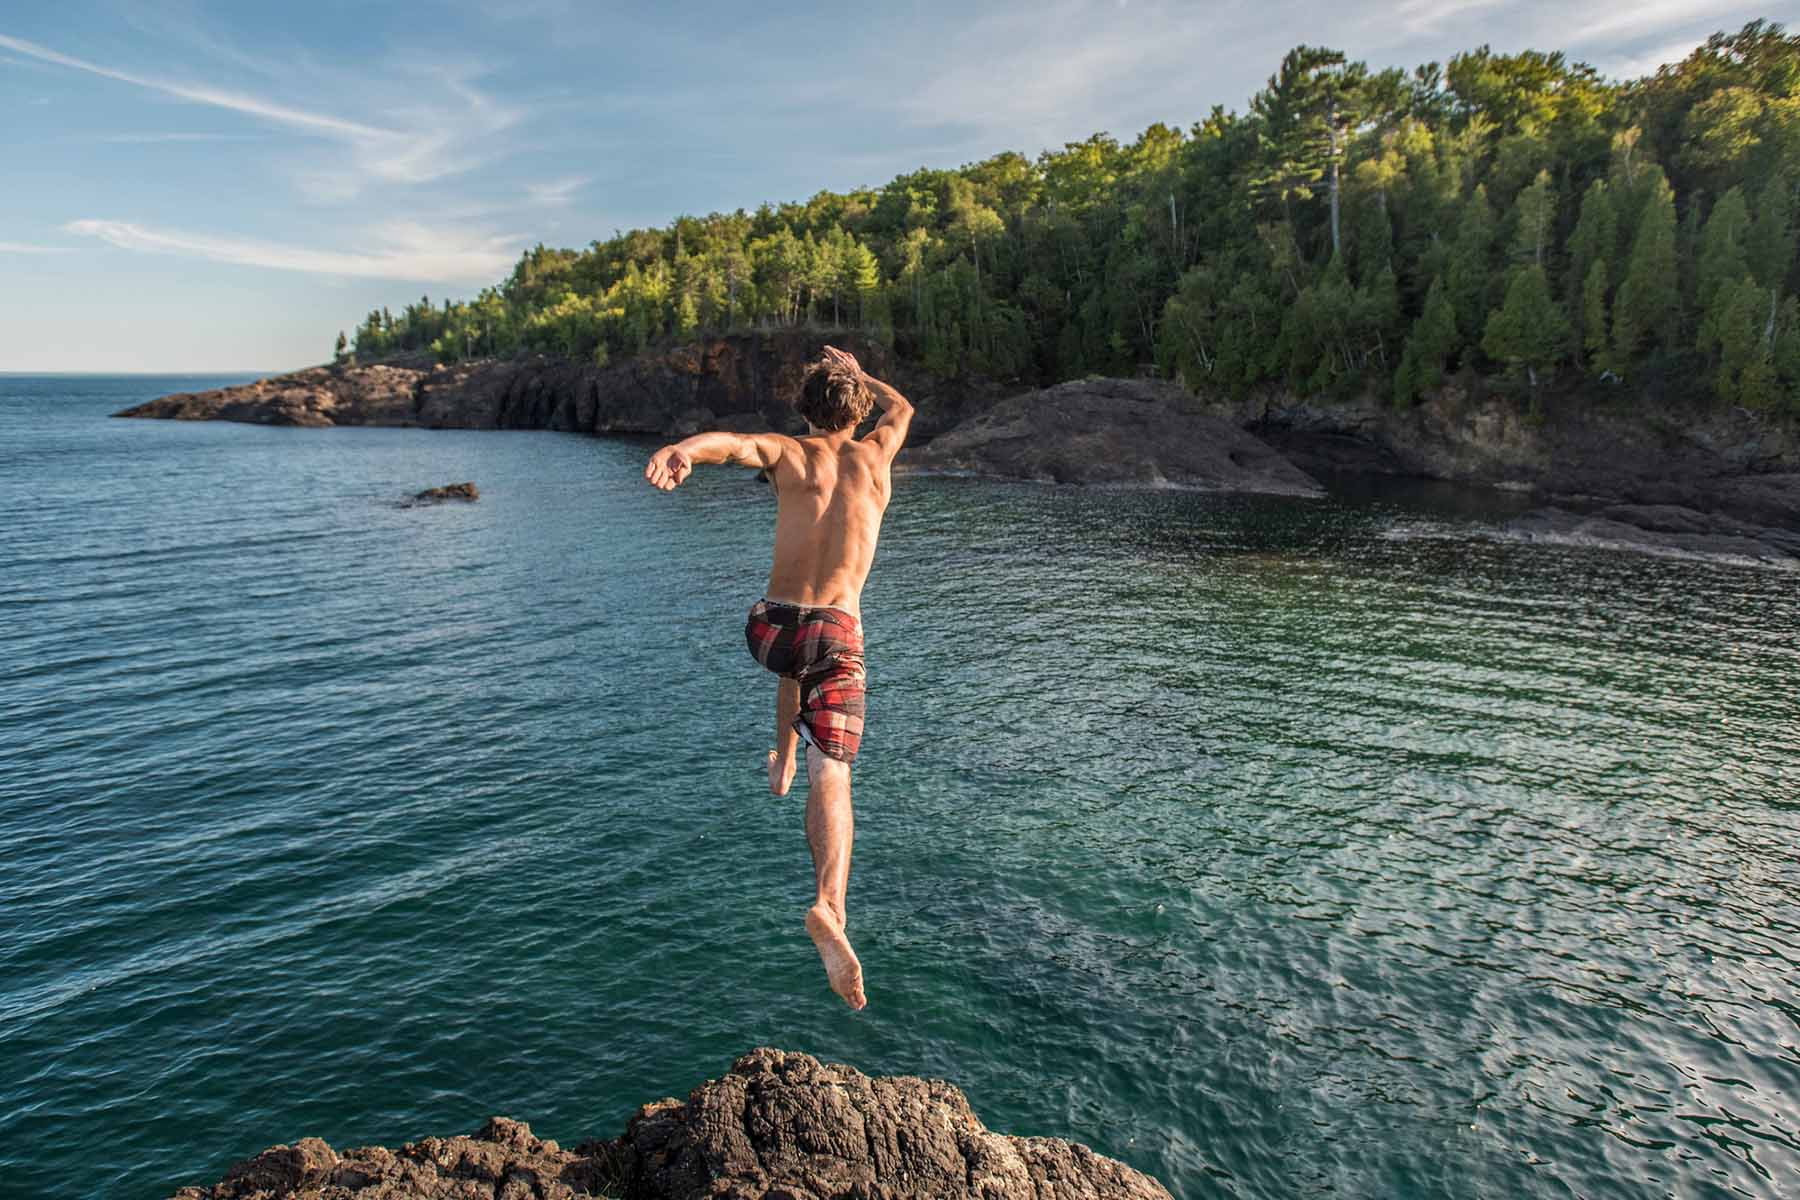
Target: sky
193,186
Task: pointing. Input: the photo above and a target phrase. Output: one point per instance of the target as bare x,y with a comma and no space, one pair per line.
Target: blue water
1279,848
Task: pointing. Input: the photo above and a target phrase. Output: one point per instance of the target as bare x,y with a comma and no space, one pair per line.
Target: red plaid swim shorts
822,648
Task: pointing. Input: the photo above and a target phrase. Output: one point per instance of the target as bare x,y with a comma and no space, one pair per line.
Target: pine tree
1770,246
1466,278
1593,319
1721,263
342,347
1786,351
1534,214
1429,346
1746,368
1595,236
1647,305
1529,330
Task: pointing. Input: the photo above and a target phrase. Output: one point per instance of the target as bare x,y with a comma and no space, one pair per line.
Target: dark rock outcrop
1658,527
373,395
781,1126
1112,431
1730,462
450,491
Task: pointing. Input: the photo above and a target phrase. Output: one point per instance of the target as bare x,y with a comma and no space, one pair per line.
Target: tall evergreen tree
1529,330
1722,261
1645,310
1466,277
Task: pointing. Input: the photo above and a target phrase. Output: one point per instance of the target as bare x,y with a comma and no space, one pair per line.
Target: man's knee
821,767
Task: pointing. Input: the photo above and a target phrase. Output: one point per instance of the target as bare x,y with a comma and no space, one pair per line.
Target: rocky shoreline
780,1125
1732,474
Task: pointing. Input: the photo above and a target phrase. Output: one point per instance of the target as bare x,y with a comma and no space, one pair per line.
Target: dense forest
1515,219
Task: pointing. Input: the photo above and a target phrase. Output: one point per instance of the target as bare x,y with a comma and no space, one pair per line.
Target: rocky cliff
780,1125
1113,431
1725,460
1584,452
738,382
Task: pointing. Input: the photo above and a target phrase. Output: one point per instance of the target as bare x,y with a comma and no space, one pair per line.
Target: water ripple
1278,848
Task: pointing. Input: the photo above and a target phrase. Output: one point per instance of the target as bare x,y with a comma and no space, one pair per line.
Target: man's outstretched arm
672,464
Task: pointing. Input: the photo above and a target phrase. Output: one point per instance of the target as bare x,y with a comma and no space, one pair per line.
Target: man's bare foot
781,773
841,966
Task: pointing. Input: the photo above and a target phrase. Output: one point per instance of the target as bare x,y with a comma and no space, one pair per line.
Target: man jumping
831,490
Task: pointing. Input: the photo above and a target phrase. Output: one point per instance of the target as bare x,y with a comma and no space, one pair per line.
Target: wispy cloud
296,118
29,248
1045,70
557,193
1417,17
145,139
408,250
1648,18
1646,62
426,143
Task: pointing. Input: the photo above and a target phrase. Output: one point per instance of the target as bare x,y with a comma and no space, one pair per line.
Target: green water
1279,848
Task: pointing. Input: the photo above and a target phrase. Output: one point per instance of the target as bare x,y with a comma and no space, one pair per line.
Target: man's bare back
831,491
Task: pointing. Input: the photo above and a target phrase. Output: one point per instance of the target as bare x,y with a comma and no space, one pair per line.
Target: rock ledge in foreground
781,1125
1113,431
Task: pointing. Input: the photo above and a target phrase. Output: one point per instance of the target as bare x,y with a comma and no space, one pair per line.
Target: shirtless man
831,489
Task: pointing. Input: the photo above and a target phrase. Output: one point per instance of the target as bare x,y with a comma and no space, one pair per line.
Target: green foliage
1593,319
1743,332
1428,347
1533,221
1355,231
1467,277
1529,330
1647,305
1722,261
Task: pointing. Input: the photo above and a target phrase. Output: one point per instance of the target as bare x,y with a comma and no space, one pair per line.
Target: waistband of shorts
772,602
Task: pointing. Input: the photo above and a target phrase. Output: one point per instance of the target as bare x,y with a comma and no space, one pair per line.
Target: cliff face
779,1125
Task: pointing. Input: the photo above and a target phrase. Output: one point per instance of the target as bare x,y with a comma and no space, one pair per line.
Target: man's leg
830,829
782,759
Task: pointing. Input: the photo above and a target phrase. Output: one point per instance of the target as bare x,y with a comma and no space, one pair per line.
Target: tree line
1513,217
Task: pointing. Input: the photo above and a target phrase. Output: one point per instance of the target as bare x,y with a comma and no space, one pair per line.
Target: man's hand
668,467
841,358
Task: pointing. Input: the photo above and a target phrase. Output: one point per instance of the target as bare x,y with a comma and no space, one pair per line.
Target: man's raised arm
671,465
896,416
896,410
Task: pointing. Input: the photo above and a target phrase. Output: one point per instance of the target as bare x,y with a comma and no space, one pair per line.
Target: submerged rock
450,491
781,1125
1113,431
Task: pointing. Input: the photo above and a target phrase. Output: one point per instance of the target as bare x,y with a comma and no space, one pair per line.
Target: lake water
1278,848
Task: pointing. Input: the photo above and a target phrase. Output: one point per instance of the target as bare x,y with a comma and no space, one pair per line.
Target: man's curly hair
833,397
